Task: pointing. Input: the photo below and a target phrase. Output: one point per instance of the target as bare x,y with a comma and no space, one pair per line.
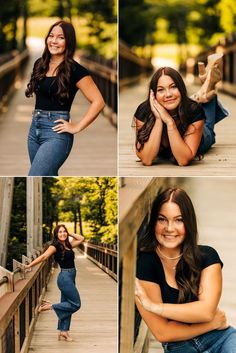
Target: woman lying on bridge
171,125
180,282
61,248
55,80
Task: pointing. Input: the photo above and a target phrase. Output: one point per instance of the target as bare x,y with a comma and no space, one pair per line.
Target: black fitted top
197,113
150,268
47,88
66,261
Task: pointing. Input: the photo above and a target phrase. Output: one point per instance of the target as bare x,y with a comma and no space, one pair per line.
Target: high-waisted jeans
214,112
217,341
70,298
48,149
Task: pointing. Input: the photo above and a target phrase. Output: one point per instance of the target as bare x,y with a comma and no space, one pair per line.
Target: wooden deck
220,160
94,326
214,202
94,152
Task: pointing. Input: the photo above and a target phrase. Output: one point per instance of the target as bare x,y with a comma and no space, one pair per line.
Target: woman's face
170,229
56,41
62,234
167,93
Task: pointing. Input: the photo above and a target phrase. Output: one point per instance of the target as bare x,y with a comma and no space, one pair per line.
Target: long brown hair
64,70
185,108
58,245
188,268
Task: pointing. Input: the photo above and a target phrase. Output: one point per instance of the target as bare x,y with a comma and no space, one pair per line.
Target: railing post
8,286
17,330
127,298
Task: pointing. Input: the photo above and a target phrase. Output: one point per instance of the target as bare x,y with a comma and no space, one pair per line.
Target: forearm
193,312
77,237
38,260
179,148
177,331
92,113
151,148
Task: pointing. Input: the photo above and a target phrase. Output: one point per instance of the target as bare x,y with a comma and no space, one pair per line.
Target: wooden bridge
214,202
94,151
94,326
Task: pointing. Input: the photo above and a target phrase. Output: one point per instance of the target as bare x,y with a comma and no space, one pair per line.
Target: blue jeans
70,298
48,150
214,113
217,341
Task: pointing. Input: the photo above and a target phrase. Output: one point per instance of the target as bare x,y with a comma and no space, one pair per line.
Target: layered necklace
165,257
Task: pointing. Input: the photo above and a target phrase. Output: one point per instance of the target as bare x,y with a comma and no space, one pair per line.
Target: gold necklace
167,257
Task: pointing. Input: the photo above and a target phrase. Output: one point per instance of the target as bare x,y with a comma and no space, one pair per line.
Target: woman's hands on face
158,110
65,126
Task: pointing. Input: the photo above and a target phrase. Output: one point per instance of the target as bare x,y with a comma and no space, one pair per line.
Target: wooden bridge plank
94,326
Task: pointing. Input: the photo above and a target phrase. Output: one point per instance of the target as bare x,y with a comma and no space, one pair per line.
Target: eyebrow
160,214
173,83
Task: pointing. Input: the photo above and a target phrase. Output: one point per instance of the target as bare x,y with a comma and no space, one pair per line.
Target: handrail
105,78
18,309
103,255
10,74
131,67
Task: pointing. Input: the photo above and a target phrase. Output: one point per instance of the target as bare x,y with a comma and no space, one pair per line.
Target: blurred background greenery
176,29
95,23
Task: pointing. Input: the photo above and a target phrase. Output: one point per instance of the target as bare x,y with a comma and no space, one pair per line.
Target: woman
169,124
180,282
55,80
61,248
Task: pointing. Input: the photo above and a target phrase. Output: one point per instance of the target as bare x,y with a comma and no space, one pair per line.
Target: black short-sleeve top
149,268
65,260
46,90
196,114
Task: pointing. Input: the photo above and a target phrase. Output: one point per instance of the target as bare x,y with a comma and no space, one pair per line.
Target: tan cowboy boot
210,76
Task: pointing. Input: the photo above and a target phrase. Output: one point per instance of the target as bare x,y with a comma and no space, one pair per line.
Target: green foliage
11,11
194,22
17,233
97,200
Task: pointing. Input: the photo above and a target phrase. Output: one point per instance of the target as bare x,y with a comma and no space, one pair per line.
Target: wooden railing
131,66
11,73
136,197
227,46
104,73
103,255
20,295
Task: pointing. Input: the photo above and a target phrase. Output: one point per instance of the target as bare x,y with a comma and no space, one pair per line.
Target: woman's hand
159,111
28,268
65,126
142,296
220,320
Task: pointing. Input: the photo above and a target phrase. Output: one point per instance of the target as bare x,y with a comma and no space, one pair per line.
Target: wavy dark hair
188,269
186,106
58,245
64,70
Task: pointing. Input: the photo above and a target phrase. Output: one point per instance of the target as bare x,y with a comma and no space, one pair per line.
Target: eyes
164,221
162,89
51,35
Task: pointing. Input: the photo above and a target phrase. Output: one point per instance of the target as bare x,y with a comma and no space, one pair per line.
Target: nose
168,93
169,226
